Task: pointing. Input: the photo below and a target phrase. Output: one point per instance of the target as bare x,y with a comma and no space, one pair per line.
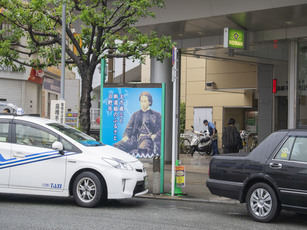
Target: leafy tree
33,36
182,116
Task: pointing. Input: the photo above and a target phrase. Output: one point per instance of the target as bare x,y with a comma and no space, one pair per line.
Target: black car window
285,150
4,132
299,151
28,135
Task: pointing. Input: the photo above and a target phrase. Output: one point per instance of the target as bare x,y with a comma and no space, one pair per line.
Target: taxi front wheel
88,190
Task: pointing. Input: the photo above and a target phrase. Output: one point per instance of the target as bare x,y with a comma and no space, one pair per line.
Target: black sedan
270,178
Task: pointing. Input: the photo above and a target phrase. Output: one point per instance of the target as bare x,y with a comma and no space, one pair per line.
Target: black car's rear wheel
262,203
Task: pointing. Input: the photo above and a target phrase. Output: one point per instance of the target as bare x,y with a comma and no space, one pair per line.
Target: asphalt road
20,212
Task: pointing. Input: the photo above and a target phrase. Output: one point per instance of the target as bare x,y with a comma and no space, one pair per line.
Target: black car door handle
276,165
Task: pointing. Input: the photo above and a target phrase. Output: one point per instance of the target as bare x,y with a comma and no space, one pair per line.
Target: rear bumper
225,188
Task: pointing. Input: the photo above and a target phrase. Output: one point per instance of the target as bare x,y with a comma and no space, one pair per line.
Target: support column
162,73
292,87
265,101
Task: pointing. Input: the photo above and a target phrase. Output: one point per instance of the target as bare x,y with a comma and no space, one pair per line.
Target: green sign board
234,38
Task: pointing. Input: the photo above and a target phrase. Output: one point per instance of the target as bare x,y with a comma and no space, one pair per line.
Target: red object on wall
36,76
98,120
275,44
274,86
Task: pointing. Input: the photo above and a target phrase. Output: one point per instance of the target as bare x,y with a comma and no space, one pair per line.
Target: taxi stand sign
234,38
57,112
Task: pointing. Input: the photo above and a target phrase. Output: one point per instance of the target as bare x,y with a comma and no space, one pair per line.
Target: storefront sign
11,72
54,70
132,120
5,68
52,84
234,38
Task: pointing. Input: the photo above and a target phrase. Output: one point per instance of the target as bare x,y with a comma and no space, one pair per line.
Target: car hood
112,152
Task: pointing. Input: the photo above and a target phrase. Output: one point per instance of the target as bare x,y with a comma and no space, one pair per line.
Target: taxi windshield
75,134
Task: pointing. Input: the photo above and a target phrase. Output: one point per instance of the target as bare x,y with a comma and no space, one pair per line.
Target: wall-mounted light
210,83
231,52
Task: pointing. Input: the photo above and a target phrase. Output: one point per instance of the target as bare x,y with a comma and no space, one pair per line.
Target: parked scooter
201,143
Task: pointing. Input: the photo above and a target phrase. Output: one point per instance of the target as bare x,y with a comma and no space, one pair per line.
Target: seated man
143,131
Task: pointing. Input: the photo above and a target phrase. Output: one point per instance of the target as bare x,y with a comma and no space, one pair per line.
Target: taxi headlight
118,163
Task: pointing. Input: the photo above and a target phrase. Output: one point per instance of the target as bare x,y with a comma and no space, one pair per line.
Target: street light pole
63,52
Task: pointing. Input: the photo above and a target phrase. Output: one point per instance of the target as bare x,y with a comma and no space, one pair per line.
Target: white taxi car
41,157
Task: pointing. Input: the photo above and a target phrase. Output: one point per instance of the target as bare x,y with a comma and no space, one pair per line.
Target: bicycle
185,144
254,142
246,136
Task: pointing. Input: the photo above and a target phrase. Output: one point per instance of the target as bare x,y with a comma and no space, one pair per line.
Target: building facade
33,90
275,48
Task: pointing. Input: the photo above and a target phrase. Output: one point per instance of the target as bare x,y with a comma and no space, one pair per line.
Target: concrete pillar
265,101
292,87
162,73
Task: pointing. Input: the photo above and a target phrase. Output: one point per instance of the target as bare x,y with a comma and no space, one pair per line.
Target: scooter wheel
192,151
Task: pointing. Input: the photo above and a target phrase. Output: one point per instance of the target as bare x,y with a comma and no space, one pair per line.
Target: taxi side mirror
59,147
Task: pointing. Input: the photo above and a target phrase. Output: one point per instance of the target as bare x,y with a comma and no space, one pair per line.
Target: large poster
132,120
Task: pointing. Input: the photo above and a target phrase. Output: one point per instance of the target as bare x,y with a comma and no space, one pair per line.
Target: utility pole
62,96
110,67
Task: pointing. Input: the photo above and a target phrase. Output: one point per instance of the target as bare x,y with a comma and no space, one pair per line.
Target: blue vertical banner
132,120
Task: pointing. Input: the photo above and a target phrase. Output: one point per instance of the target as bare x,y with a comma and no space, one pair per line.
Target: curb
182,198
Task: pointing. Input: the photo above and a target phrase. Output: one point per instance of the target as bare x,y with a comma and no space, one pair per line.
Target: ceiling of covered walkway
269,31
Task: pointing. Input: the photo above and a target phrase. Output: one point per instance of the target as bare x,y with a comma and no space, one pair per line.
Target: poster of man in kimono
132,120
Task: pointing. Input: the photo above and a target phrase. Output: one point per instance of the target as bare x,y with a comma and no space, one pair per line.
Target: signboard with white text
57,111
132,120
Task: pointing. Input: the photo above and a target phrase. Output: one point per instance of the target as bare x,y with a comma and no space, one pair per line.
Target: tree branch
74,41
45,43
120,19
24,52
91,42
114,13
30,65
